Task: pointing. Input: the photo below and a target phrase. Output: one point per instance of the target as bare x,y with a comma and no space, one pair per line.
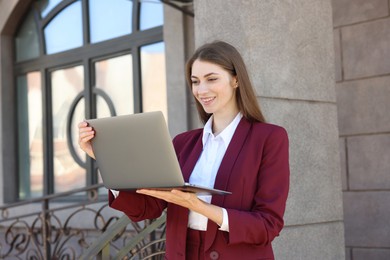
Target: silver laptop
136,151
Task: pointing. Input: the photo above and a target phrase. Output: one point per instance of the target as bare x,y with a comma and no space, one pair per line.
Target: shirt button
214,255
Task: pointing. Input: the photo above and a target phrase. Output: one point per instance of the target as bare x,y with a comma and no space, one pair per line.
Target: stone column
175,69
288,48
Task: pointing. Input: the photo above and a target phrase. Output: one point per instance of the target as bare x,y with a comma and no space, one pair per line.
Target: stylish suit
255,169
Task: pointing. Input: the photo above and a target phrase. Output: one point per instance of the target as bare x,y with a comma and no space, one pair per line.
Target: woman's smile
206,101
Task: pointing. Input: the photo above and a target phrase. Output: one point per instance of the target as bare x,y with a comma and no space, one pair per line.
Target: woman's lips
207,101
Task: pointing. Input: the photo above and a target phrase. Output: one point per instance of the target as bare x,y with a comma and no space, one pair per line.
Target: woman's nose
202,88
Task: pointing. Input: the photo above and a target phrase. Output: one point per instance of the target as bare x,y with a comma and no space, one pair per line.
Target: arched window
77,59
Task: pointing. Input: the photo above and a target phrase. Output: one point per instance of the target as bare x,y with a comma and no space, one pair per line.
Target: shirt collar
226,133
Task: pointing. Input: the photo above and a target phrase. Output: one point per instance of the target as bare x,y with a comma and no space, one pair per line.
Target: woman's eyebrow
205,76
211,73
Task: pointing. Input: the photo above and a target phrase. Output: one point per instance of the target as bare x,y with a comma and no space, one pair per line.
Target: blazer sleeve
137,206
263,222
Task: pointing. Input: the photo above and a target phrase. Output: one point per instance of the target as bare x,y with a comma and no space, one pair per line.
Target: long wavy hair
227,57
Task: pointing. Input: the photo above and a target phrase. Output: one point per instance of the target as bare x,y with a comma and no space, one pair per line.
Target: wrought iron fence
76,224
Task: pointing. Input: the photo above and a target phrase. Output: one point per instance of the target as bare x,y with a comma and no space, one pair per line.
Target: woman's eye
212,79
194,82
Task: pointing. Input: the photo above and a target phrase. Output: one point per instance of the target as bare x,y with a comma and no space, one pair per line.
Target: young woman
235,151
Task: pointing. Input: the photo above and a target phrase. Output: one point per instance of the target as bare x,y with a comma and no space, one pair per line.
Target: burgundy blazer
255,168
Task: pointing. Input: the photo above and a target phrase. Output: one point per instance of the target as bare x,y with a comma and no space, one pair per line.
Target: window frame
85,55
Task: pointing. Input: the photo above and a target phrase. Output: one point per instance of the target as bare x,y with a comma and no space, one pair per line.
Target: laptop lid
136,151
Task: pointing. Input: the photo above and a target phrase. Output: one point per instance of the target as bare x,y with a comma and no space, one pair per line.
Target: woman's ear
235,82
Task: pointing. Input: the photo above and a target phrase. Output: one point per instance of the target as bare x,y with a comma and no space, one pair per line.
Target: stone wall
362,48
288,47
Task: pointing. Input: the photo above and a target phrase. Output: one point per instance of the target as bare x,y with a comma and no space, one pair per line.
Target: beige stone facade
362,54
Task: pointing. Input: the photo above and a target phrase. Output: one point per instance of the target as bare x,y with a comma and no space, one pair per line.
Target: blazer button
214,255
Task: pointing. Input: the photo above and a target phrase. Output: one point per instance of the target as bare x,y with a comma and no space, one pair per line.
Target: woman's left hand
185,199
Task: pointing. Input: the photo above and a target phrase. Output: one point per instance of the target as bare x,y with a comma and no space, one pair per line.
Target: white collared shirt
206,168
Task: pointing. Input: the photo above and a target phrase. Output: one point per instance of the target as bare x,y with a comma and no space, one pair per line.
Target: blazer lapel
224,172
230,158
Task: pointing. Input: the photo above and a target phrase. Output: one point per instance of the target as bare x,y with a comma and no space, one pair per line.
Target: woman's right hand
86,133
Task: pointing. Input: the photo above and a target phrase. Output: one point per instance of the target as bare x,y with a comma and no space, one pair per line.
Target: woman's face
214,88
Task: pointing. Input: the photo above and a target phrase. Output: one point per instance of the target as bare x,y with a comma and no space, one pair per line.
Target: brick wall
362,48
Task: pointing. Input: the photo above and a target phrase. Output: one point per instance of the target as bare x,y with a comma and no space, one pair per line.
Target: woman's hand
187,200
86,133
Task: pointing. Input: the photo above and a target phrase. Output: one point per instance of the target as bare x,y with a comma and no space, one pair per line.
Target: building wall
288,47
362,48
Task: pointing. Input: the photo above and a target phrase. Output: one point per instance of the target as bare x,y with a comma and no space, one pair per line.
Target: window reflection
66,84
47,5
29,96
78,116
26,40
154,93
115,77
152,14
64,32
110,19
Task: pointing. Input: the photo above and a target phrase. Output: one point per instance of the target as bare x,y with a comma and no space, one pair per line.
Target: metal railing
76,225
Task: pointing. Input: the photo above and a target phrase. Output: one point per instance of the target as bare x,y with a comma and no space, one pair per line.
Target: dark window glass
29,95
26,40
47,5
